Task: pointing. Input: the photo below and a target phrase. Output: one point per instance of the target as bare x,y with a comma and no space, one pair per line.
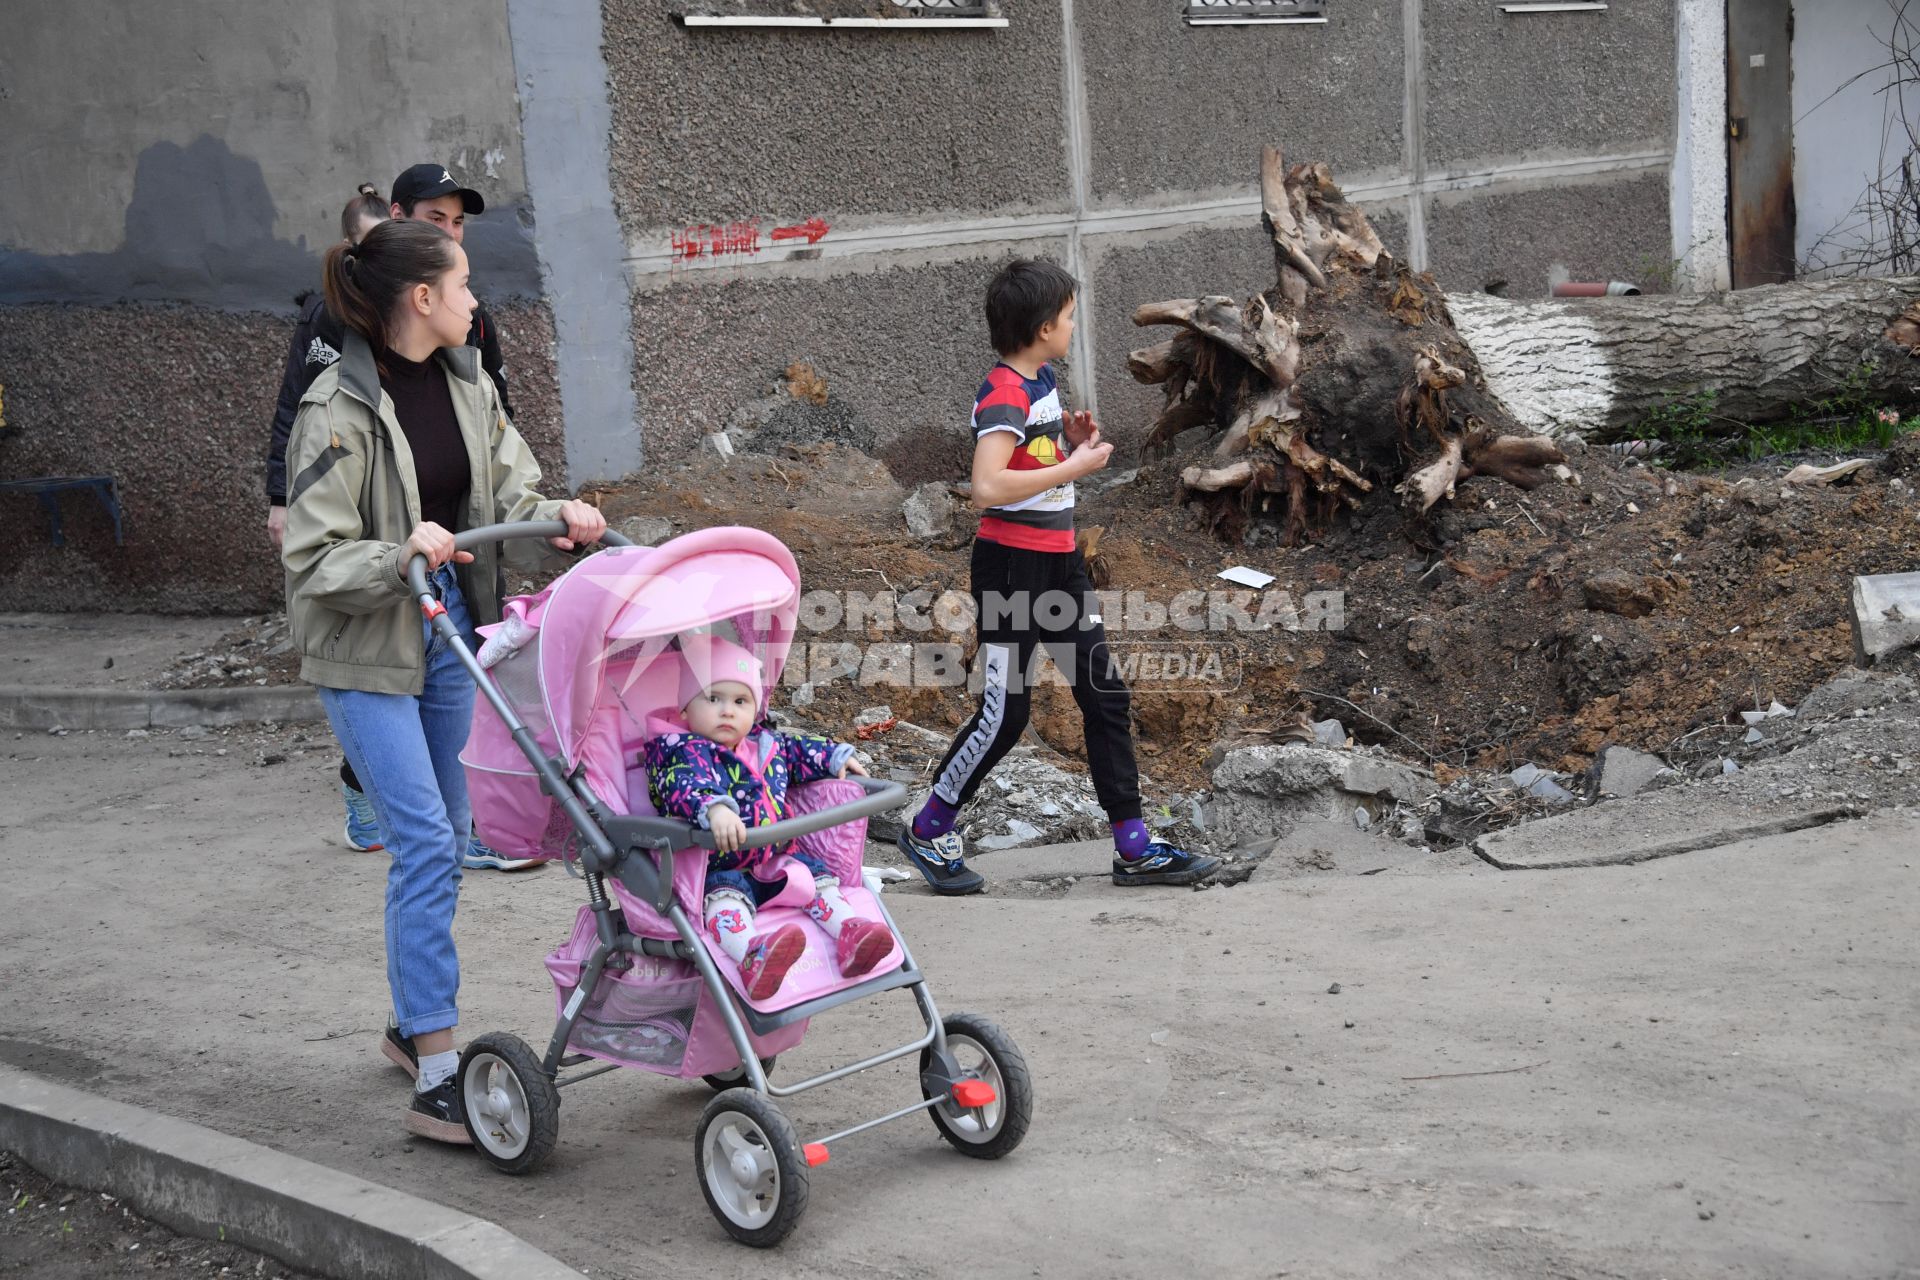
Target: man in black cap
424,193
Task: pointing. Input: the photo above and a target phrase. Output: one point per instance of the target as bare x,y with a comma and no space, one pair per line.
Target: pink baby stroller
569,679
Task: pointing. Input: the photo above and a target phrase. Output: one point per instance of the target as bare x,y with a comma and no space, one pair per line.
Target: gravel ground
51,1232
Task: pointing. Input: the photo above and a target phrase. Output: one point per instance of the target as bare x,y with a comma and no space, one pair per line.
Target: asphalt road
1701,1066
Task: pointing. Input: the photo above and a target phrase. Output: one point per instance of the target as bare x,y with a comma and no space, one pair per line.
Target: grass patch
1696,436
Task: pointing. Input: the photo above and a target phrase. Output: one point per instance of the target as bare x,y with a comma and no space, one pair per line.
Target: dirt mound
1632,606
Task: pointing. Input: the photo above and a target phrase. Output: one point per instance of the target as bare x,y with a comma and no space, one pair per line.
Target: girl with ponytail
398,445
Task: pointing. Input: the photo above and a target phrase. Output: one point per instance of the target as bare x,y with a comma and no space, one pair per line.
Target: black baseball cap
429,182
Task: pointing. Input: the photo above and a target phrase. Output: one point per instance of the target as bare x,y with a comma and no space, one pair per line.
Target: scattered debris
1885,616
1808,474
1621,772
930,510
1243,576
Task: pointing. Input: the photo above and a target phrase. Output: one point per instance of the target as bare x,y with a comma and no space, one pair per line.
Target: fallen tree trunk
1353,375
1595,367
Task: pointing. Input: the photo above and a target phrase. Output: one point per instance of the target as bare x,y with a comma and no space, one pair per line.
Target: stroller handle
470,538
651,878
881,796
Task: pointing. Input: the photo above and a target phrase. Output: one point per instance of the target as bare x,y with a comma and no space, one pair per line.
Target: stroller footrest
763,1023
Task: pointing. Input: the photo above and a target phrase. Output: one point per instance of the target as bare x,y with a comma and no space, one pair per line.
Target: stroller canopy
610,615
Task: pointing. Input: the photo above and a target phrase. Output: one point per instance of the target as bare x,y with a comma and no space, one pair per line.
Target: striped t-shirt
1029,410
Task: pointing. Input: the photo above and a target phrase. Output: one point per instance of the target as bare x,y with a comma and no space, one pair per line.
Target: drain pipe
1595,289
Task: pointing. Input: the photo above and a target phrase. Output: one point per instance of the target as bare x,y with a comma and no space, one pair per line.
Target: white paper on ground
1246,577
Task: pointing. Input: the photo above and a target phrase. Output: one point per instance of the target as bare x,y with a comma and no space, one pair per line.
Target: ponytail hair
364,282
367,206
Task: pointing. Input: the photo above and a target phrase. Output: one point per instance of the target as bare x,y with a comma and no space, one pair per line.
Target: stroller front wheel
751,1168
512,1105
983,1052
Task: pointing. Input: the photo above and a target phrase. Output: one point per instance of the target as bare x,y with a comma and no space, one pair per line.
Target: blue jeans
406,751
757,891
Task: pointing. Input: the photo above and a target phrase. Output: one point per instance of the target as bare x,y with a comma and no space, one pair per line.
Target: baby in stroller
722,768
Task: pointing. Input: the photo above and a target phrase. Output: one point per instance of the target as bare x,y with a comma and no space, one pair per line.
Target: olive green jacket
352,502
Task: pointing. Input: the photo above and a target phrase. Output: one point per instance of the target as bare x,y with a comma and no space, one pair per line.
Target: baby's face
722,713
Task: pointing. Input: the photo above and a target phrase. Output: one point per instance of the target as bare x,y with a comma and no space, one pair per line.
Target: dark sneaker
436,1113
1163,864
399,1050
940,861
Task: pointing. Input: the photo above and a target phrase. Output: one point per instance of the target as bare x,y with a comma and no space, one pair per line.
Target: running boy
1030,587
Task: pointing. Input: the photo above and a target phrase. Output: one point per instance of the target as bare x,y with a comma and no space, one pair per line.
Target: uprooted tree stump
1345,376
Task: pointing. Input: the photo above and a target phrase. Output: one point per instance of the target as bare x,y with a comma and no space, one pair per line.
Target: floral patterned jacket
687,775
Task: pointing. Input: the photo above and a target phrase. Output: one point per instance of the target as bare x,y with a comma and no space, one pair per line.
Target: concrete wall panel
716,125
203,152
1600,230
1545,85
175,403
1179,108
903,348
1131,270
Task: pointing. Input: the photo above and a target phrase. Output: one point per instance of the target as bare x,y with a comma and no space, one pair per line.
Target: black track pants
1042,598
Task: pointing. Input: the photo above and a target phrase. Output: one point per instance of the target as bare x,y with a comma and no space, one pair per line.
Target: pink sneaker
861,945
769,956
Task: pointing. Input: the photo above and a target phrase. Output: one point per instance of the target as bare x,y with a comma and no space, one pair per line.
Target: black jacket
317,343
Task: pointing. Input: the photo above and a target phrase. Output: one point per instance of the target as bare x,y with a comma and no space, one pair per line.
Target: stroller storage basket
640,1014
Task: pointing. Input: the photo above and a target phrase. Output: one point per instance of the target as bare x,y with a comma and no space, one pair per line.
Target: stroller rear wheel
512,1105
751,1169
721,1081
983,1052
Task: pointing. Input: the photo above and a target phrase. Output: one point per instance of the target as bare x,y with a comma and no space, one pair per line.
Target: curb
204,1183
23,707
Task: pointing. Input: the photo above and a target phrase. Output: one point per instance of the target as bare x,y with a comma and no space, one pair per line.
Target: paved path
1716,1050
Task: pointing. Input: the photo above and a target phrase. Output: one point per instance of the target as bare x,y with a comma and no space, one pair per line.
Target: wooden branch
1155,364
1436,480
1235,475
1521,461
1277,206
1178,417
1278,340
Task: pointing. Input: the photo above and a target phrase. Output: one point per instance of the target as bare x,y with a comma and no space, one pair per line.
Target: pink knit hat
708,660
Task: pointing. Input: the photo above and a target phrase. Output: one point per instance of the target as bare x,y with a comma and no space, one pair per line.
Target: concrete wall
1841,117
860,188
194,158
202,153
1121,137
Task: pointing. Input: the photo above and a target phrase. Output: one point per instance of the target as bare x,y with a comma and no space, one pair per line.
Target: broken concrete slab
929,510
1621,771
1267,788
1885,616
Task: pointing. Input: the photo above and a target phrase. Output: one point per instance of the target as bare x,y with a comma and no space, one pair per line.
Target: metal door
1760,140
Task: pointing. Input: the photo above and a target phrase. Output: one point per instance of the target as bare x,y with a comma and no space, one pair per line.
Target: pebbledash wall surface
679,209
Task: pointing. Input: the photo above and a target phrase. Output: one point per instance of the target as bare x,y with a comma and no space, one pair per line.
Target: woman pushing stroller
396,445
721,768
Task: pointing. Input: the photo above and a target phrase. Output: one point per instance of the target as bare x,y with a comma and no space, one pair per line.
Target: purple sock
935,820
1130,838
